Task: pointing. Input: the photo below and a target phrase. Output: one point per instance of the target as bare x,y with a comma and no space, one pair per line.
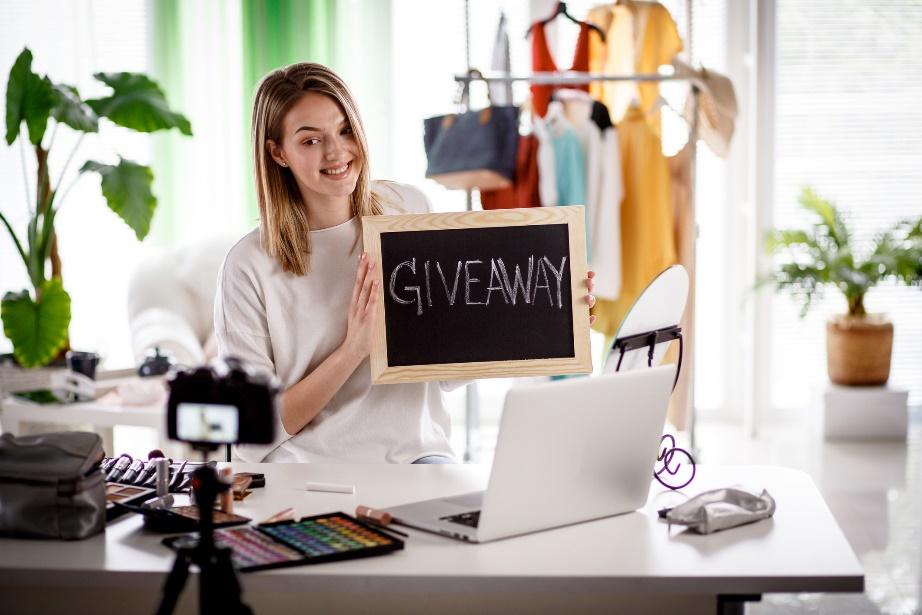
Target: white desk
103,413
630,562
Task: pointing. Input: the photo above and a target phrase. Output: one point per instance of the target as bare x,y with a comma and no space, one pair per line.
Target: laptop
567,452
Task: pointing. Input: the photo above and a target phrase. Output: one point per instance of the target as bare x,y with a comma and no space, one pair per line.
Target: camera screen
207,423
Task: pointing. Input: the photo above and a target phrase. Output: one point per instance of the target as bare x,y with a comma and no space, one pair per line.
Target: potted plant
36,320
858,344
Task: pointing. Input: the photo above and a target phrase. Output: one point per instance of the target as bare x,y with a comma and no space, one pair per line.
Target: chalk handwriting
523,286
411,265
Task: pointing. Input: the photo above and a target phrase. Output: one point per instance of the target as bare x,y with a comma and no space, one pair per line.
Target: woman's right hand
360,330
308,397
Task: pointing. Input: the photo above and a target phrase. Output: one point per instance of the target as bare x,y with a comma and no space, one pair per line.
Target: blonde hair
284,231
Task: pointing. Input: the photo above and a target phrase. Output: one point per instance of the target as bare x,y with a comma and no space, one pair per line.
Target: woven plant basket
858,349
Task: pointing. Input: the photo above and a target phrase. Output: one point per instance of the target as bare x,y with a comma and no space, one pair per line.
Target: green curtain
253,37
367,69
168,152
277,33
195,57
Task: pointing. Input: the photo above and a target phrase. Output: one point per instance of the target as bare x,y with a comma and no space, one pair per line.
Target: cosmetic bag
475,149
51,485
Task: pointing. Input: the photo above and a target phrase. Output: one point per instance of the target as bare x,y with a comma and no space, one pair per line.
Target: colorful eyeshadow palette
311,540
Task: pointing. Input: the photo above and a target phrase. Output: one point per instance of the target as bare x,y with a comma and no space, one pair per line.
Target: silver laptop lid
575,450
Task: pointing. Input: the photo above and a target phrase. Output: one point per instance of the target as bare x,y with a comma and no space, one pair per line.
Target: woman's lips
337,173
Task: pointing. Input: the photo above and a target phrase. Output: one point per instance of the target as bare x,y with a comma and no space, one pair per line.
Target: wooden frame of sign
569,222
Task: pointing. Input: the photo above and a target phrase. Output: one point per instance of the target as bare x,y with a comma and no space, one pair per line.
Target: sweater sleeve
241,331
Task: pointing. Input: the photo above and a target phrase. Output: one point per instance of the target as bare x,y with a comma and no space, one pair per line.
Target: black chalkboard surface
463,295
480,294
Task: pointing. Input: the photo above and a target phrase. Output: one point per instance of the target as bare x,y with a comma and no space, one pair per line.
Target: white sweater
287,325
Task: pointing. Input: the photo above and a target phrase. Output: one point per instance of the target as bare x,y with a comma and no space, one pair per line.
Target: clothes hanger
658,104
562,10
661,103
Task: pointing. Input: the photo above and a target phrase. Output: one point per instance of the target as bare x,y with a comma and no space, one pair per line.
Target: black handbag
475,149
51,485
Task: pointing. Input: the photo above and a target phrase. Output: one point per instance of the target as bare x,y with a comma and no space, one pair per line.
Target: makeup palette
311,540
124,494
181,518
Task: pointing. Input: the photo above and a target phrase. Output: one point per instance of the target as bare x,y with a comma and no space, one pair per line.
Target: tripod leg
175,582
219,587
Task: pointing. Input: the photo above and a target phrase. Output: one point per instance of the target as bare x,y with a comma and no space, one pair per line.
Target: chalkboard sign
480,294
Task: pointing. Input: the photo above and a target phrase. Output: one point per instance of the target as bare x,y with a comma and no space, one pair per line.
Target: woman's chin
345,188
332,189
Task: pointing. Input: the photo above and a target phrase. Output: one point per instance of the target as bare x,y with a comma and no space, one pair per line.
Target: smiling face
317,145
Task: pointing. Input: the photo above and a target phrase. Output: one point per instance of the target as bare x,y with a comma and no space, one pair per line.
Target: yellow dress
639,37
647,235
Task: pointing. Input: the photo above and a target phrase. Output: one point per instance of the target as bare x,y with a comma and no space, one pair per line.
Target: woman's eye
346,131
311,142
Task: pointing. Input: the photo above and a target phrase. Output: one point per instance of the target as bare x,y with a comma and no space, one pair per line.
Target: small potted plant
36,320
858,344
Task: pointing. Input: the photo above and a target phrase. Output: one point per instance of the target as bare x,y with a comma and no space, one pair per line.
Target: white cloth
604,191
288,325
501,93
547,165
606,232
590,141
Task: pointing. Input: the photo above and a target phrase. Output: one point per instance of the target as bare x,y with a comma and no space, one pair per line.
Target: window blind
848,123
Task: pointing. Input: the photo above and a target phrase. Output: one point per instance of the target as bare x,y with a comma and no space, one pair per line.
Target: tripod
219,590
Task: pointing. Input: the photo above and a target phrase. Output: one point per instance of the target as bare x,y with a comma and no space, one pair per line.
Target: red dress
524,190
542,61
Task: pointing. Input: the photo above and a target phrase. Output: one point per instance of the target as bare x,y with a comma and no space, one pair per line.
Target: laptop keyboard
470,519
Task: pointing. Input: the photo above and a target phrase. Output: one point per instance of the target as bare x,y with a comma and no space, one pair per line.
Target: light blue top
571,168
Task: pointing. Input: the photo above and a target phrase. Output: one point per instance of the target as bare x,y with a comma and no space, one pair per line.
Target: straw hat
717,108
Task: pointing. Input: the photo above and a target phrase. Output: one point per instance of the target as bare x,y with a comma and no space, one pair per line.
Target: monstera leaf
138,103
29,98
38,329
126,187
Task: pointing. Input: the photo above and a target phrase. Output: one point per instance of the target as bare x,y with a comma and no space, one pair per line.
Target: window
69,42
848,123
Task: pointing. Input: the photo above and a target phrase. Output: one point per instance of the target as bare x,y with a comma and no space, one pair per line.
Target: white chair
171,301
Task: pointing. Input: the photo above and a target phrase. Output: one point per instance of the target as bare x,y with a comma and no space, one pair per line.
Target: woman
296,297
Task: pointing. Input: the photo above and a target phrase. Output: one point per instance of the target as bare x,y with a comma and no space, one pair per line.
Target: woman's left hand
590,298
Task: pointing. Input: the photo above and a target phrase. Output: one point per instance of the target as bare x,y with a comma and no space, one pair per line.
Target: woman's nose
334,149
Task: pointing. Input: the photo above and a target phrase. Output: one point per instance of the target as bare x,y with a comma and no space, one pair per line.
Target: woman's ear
276,152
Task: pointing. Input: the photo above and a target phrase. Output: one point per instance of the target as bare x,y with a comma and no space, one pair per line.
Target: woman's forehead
313,111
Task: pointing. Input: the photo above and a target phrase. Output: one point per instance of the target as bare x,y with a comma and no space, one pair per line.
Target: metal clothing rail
561,77
686,392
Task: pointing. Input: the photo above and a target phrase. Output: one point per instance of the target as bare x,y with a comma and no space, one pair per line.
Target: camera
208,407
224,404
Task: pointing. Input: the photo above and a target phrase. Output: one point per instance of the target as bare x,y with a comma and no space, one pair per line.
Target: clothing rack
686,392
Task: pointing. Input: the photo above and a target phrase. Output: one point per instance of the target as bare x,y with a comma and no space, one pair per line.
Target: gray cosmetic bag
51,485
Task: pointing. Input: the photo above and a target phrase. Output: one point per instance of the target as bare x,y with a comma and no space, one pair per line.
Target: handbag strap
464,93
